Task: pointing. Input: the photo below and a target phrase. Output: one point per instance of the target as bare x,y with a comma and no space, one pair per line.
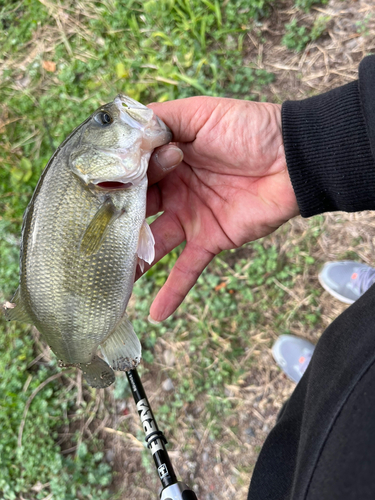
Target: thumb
163,160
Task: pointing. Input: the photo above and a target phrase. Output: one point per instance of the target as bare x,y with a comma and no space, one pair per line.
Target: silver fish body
83,233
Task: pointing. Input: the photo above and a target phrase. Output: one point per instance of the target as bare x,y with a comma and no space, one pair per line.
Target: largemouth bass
83,233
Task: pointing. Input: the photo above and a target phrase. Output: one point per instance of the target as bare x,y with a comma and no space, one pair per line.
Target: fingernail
153,321
169,157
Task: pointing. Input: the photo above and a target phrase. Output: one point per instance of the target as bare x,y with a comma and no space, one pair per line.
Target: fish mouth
113,185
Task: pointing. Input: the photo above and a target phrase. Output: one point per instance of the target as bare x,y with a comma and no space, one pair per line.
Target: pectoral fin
98,228
122,350
146,245
15,311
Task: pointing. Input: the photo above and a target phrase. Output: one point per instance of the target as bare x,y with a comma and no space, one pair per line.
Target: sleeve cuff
328,152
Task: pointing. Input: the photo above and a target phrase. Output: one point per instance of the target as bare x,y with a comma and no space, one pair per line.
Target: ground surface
208,371
221,468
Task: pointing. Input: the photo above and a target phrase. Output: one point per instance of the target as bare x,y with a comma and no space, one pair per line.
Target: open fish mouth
114,185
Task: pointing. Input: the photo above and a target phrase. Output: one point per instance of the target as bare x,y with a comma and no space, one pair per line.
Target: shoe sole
337,296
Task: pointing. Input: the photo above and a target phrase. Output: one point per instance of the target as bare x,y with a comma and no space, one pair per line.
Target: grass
31,418
298,36
59,61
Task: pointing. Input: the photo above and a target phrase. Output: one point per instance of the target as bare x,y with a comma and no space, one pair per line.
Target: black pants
323,445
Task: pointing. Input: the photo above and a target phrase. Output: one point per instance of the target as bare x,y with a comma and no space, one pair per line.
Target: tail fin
97,373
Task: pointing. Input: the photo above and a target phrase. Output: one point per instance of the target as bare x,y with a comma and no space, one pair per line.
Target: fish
83,234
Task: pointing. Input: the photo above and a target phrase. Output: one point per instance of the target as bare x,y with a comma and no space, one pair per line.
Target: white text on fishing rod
149,425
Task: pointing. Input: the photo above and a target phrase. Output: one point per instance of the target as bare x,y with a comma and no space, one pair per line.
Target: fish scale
81,241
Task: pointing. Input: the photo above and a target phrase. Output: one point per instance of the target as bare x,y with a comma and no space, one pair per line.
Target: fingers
153,205
163,160
187,269
168,234
185,117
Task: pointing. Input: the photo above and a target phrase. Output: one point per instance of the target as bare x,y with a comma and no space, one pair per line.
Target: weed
362,27
296,37
319,27
307,4
349,255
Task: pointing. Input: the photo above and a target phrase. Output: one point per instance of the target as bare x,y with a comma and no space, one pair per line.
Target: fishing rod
156,441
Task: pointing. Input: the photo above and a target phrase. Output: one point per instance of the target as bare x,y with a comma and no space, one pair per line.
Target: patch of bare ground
328,62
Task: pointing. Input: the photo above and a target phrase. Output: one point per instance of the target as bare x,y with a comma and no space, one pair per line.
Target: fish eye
104,118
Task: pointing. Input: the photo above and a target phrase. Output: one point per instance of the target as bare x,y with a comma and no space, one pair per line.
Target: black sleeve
330,146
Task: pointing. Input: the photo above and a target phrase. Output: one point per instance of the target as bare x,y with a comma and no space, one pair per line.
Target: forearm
329,144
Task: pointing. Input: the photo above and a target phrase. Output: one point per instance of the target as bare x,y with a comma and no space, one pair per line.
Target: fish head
116,143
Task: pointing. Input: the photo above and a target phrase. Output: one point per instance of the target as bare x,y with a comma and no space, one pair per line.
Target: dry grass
327,63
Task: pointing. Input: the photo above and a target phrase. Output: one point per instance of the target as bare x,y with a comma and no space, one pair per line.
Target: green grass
29,455
362,26
307,4
298,36
152,50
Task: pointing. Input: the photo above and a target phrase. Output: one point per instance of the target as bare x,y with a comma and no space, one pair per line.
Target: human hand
231,188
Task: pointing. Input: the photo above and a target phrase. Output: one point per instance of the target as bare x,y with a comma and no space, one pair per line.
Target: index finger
185,117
